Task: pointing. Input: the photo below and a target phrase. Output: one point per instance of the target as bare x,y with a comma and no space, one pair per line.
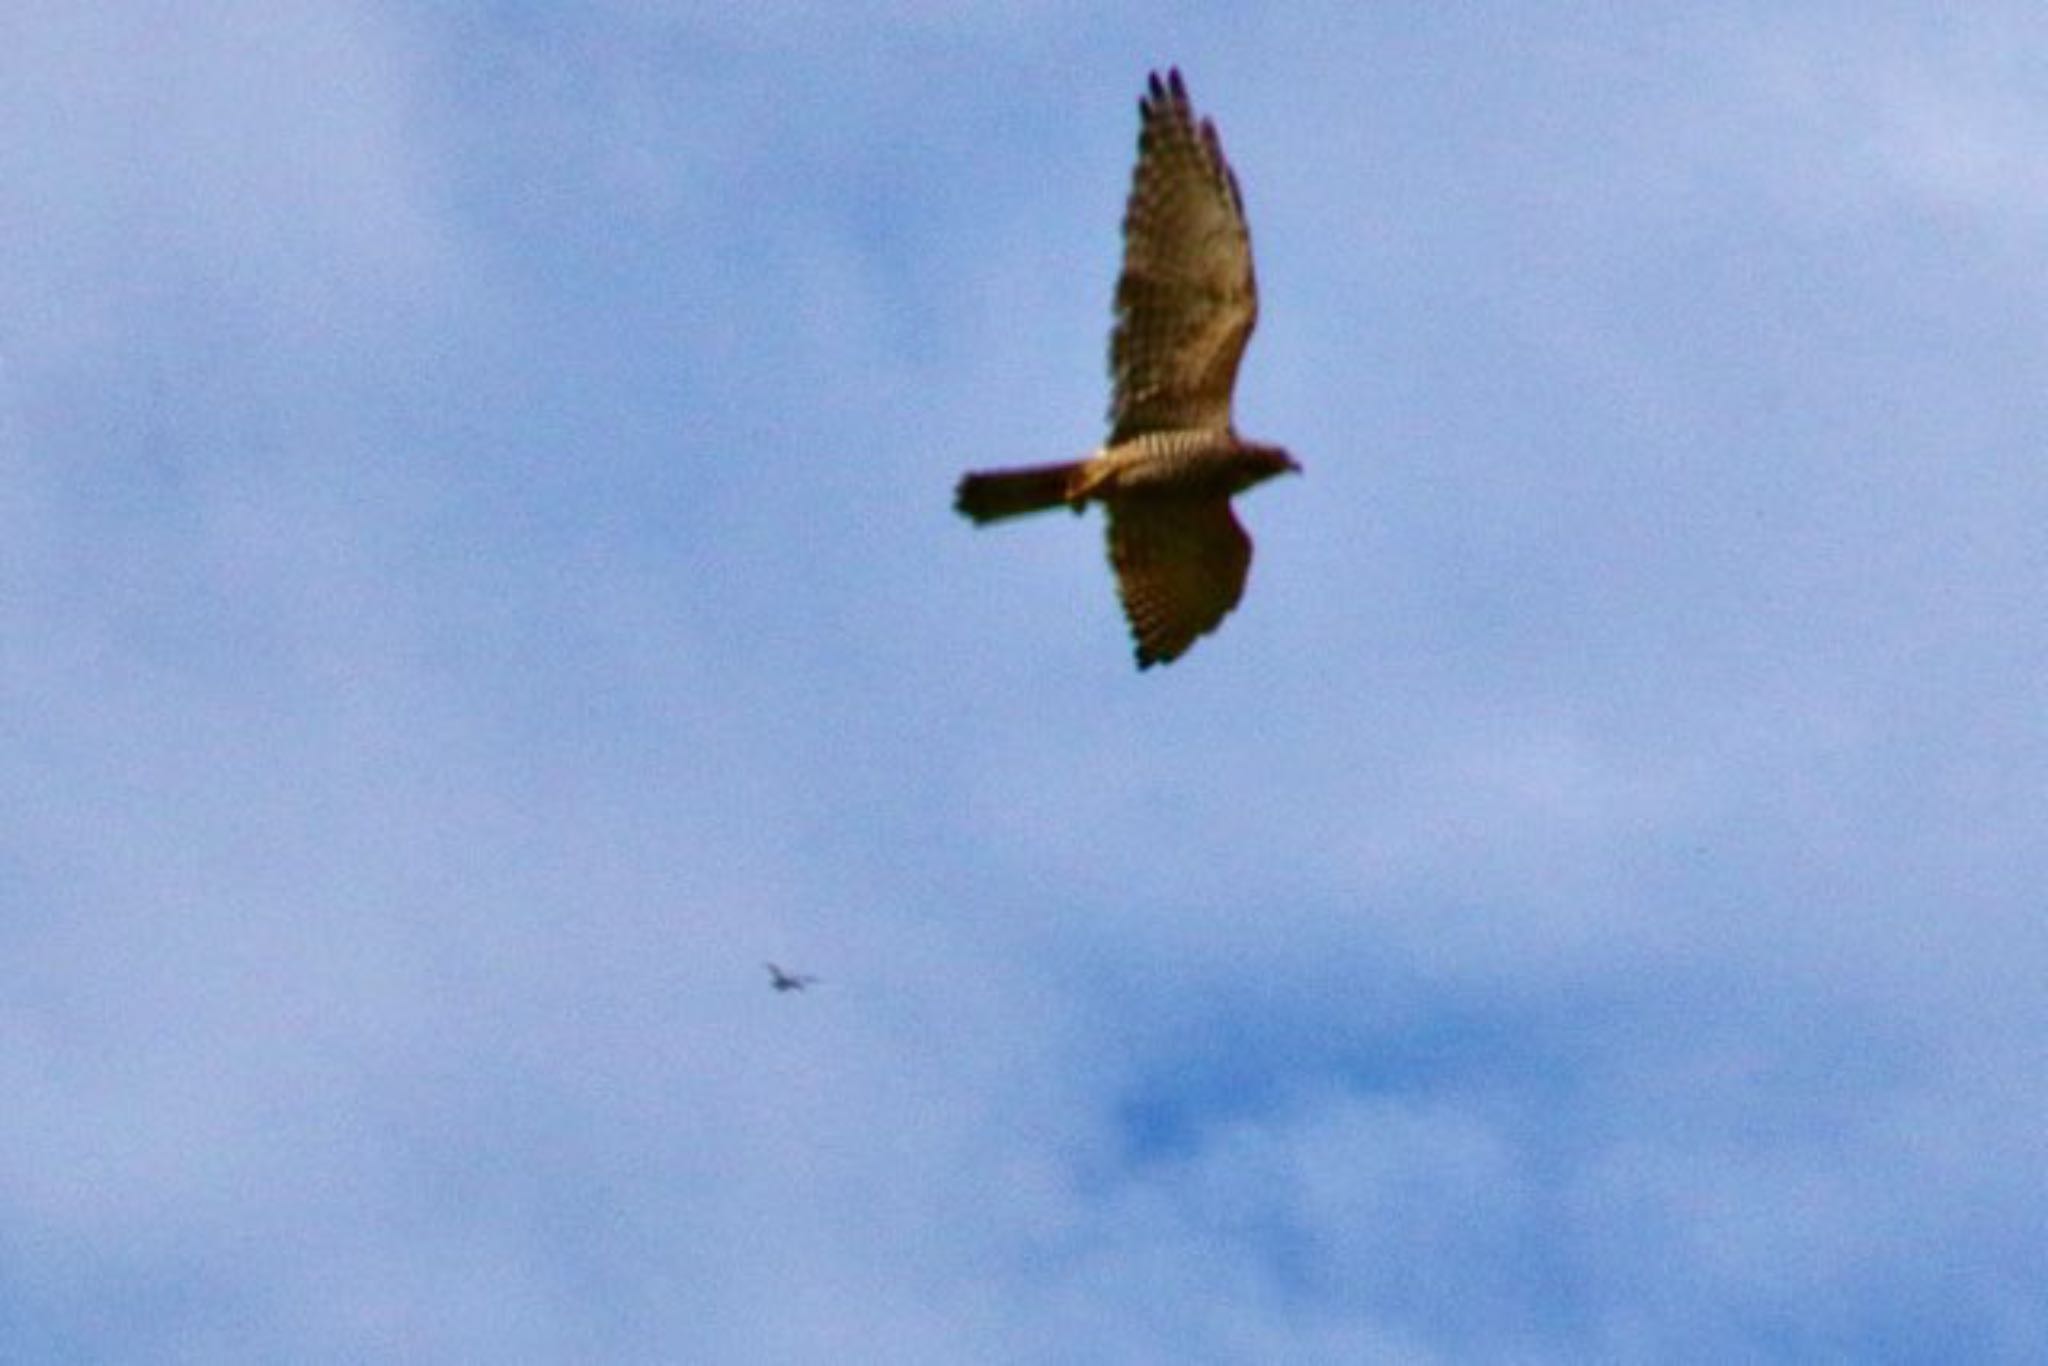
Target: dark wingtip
1167,89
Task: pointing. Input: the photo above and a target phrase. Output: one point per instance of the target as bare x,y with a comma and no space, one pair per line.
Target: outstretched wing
1180,567
1186,301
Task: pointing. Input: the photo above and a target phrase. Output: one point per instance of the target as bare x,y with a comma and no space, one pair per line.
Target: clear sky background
477,577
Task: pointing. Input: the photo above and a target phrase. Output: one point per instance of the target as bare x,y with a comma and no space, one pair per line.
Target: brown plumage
1186,303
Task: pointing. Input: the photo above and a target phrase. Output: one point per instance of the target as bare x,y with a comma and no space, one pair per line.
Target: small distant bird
788,981
1186,303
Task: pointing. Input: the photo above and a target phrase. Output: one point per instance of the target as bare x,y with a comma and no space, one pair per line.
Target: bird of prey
787,981
1185,306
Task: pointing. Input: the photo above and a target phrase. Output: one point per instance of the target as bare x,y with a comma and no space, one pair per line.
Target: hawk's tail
990,495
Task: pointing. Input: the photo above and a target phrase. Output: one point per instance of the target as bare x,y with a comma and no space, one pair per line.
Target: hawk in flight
1185,306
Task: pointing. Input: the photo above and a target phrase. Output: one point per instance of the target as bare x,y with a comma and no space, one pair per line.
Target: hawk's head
1254,464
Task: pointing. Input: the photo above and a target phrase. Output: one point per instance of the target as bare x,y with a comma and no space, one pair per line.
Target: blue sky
477,577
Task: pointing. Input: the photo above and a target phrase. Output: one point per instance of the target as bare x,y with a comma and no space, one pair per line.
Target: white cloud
250,160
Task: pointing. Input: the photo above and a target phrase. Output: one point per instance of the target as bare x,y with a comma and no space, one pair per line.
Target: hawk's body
1185,306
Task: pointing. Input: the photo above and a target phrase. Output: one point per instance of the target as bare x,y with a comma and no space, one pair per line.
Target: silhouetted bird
788,981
